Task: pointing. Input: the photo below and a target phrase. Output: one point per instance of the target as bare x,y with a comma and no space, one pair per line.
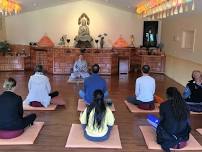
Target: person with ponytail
97,119
173,128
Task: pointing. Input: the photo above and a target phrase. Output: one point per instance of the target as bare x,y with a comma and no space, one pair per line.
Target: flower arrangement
4,47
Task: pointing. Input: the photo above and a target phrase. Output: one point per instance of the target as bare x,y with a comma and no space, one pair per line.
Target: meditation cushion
9,134
36,104
180,145
147,106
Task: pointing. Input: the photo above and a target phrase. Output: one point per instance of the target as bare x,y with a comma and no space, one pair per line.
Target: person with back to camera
92,83
11,111
97,119
144,90
193,92
173,127
39,89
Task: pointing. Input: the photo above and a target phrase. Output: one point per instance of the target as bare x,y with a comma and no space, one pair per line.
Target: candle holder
96,41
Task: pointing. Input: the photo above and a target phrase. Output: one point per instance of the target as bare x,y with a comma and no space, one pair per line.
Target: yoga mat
150,140
82,106
51,107
196,113
27,138
58,101
199,130
135,109
76,139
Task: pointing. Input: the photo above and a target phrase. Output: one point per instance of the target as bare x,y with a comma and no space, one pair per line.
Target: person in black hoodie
193,92
11,109
174,128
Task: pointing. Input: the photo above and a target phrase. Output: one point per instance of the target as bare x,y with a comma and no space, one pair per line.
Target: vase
102,43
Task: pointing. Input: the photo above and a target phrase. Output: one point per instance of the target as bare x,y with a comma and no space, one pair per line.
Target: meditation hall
100,75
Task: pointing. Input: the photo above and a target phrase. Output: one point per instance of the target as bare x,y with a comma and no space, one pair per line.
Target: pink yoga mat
199,130
82,106
30,108
77,140
149,135
27,138
135,109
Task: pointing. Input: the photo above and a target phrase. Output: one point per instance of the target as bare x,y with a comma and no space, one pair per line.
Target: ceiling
127,5
30,5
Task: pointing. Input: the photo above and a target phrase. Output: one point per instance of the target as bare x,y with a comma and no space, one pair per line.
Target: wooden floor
54,134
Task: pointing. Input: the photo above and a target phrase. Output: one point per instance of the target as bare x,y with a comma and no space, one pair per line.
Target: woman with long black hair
97,119
173,128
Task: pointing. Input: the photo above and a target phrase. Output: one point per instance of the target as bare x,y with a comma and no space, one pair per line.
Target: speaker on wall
150,34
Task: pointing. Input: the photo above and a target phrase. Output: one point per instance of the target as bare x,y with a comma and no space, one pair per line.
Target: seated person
93,83
97,119
193,92
11,109
39,89
80,69
144,90
173,128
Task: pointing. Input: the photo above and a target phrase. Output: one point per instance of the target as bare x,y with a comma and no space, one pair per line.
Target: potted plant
102,36
4,47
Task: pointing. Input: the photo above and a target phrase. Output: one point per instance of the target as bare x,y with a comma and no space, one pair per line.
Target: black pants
54,94
28,120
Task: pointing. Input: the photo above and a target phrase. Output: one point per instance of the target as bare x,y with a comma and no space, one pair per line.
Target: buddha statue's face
83,22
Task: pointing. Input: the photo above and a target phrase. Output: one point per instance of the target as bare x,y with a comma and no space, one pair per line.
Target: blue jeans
97,139
82,95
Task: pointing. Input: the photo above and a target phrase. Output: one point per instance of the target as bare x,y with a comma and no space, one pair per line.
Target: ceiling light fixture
156,8
9,7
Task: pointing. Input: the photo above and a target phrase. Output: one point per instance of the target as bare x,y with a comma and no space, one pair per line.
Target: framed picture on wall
188,39
150,34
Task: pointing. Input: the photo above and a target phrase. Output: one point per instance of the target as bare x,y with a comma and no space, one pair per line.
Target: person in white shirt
80,69
39,88
144,90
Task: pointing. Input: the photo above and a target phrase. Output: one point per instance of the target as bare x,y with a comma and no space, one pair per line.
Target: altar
60,60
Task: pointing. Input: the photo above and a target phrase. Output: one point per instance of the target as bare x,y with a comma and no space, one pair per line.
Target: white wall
63,19
181,62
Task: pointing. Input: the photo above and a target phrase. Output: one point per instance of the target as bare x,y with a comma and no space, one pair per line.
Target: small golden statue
132,40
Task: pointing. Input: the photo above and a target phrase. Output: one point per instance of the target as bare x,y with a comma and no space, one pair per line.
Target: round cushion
147,106
36,104
8,134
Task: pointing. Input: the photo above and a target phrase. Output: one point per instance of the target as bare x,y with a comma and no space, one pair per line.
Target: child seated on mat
173,127
39,89
12,122
144,91
97,119
193,92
